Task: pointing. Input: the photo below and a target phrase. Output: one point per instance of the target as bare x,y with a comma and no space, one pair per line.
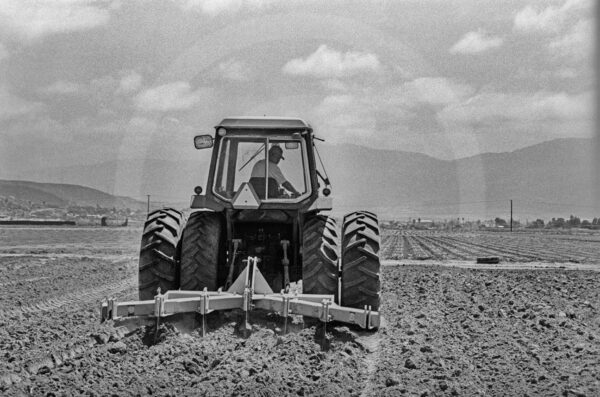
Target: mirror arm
326,180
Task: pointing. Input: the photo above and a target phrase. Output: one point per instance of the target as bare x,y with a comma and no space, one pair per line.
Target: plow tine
204,309
324,320
156,329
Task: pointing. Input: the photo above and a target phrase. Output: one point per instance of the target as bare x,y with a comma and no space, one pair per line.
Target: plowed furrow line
502,251
388,242
24,280
565,248
417,250
452,252
407,249
429,251
72,299
475,250
539,249
392,246
517,248
532,254
575,239
403,247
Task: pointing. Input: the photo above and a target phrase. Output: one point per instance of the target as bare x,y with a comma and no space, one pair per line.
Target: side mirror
203,141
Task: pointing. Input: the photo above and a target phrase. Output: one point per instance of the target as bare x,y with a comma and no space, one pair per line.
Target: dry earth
449,330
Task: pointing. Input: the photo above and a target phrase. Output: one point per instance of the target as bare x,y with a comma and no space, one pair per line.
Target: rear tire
361,284
159,253
201,251
320,256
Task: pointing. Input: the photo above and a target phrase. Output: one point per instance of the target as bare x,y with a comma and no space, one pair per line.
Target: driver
275,155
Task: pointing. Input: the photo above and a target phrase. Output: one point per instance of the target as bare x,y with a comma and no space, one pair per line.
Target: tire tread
361,284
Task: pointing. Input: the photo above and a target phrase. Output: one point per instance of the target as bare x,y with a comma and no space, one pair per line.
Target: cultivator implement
249,291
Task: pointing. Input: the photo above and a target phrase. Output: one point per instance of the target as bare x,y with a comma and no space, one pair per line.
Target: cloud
566,73
549,19
328,63
475,42
494,107
434,91
216,7
33,19
431,110
101,93
12,106
62,87
375,116
129,83
334,85
577,43
3,52
172,96
234,70
345,118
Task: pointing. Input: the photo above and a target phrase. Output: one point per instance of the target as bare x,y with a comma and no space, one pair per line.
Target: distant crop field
396,244
70,240
511,247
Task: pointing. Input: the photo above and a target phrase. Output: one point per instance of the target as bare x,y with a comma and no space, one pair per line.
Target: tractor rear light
198,190
326,192
221,131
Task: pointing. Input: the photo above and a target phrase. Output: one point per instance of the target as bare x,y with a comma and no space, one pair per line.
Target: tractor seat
258,183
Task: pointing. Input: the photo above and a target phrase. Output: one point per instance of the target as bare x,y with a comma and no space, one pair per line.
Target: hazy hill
165,181
64,194
549,179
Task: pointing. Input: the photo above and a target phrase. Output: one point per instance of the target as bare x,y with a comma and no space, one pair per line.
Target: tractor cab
264,163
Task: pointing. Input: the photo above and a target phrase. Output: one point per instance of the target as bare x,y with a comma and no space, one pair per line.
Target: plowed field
452,327
520,246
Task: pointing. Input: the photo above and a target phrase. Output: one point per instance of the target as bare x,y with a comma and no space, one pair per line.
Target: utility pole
148,209
511,215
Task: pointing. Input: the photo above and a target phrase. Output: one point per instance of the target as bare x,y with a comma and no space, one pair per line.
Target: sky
88,81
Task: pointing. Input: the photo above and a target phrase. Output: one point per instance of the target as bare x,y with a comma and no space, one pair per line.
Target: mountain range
551,179
63,195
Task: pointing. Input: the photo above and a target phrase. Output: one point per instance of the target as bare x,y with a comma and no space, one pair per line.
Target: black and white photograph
299,198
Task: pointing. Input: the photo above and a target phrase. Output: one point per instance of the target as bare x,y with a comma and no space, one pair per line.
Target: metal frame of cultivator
249,291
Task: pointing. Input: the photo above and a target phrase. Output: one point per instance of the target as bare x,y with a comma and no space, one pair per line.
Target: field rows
513,247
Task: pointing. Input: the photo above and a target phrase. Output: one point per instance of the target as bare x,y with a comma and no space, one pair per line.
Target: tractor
259,226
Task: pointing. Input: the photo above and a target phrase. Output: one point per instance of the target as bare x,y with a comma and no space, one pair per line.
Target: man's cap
276,148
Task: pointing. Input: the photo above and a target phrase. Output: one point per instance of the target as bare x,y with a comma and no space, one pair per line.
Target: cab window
252,160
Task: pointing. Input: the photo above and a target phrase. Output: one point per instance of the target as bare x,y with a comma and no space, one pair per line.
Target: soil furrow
82,296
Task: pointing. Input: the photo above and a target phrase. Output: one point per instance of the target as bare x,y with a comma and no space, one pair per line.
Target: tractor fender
201,201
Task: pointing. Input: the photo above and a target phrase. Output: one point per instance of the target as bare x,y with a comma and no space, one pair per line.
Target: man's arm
291,188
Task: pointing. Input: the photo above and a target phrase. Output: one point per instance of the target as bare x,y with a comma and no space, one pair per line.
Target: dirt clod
410,364
118,347
391,381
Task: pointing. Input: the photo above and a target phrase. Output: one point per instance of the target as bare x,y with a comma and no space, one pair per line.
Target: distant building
425,223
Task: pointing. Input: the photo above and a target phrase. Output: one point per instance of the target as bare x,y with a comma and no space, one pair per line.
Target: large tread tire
159,253
202,251
320,256
361,284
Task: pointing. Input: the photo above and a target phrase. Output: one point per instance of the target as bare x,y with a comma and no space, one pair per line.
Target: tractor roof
266,123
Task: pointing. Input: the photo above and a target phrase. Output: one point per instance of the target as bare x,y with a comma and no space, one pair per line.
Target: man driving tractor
258,172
